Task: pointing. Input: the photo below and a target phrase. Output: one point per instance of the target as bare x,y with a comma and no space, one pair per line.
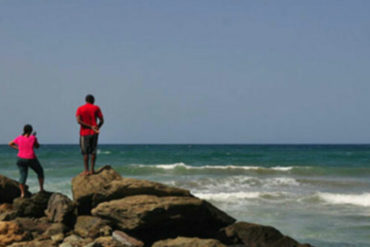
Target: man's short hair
90,98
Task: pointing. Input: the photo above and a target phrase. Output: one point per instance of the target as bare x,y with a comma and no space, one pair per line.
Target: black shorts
89,144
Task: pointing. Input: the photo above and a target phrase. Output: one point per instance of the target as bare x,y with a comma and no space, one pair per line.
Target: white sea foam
169,166
237,183
222,196
282,181
280,168
237,196
219,167
354,199
104,152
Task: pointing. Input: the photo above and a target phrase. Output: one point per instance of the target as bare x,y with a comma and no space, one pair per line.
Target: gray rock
61,209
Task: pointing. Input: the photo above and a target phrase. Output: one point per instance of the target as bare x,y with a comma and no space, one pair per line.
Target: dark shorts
23,165
89,144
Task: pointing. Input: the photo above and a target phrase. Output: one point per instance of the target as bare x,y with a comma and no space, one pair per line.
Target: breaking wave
362,200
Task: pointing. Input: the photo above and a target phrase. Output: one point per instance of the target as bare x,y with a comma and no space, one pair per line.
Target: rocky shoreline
109,210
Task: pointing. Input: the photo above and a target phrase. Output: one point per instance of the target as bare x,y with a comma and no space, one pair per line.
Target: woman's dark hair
89,98
27,129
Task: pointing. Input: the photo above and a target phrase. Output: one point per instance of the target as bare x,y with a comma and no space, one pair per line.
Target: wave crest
216,167
353,199
236,196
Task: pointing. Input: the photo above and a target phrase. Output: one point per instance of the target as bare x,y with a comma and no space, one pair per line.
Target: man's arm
13,145
94,128
101,122
80,122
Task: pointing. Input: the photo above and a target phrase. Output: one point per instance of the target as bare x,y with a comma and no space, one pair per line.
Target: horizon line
153,143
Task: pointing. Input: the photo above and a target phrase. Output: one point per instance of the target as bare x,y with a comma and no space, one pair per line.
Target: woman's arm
13,145
37,144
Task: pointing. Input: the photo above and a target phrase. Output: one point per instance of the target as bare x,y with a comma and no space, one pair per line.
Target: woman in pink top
25,145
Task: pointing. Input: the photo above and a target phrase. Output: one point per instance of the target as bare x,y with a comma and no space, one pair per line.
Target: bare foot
22,196
92,173
84,173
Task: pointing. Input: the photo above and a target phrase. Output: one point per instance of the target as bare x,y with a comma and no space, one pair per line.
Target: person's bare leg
86,165
23,189
41,183
93,158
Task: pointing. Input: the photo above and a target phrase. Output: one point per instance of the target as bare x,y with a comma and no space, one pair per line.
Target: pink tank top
25,146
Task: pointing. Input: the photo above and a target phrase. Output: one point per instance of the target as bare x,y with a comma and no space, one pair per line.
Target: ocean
318,194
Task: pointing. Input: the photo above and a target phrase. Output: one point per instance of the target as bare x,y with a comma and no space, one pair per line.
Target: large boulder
254,235
188,242
33,206
9,189
87,191
107,184
151,218
61,209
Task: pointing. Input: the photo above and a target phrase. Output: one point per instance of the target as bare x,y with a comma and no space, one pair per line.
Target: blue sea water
318,194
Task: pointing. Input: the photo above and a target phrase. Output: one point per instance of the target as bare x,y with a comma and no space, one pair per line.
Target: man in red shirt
87,116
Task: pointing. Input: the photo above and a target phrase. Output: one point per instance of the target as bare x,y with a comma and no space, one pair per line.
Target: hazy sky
188,71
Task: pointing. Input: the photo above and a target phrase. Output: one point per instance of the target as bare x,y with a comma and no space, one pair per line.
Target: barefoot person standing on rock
87,116
25,145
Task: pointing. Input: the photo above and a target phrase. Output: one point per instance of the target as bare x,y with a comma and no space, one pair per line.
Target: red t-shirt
88,114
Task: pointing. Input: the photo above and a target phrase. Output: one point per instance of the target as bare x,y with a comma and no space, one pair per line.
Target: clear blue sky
188,71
